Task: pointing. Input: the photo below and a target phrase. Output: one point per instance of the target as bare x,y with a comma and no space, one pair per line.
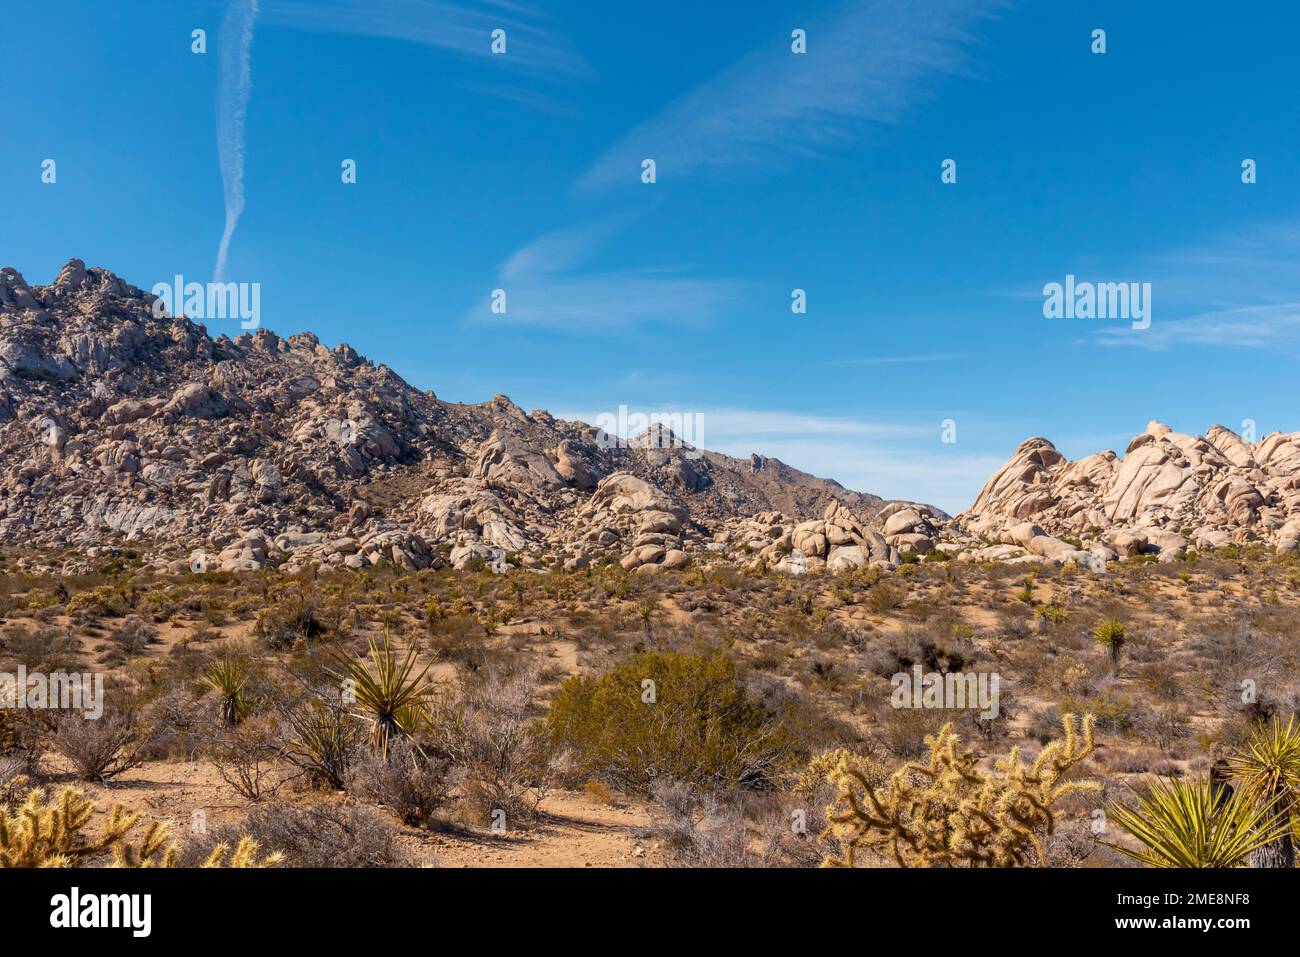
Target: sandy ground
572,830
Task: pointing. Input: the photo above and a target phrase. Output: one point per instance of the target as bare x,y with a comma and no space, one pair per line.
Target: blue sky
775,171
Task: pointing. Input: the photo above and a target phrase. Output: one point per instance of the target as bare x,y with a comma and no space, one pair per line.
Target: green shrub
667,715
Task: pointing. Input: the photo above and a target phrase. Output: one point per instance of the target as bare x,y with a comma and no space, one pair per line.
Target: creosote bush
668,715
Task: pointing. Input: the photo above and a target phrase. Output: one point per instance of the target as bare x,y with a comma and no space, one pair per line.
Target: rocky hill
117,425
1168,491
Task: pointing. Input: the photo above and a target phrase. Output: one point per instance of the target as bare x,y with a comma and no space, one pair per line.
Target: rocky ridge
252,450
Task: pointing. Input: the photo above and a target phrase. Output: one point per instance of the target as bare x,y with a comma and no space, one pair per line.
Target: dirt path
573,831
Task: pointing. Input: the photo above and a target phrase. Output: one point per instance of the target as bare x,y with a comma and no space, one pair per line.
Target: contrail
235,83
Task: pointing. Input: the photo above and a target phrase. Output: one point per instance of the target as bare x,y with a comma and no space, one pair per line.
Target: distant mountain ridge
250,449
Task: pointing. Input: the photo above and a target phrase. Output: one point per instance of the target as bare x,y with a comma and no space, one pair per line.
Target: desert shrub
181,724
1163,726
700,830
248,758
410,782
112,601
103,748
492,737
459,639
322,835
13,776
133,636
886,596
898,653
45,649
902,732
673,715
295,613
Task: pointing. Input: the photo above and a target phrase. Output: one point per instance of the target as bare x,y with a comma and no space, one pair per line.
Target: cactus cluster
950,811
44,832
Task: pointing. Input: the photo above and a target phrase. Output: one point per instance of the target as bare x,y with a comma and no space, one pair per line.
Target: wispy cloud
894,459
234,86
532,44
866,65
1250,327
891,458
1242,291
544,288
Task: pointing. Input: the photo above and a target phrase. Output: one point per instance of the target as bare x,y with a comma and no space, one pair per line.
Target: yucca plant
1110,635
1192,824
228,677
394,699
325,736
1269,771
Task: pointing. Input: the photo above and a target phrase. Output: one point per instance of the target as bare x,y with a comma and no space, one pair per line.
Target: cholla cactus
46,833
950,812
244,855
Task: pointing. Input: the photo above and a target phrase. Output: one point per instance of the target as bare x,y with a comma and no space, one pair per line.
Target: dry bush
701,830
103,748
248,757
133,636
902,731
14,777
490,735
319,835
410,782
459,639
297,613
45,649
182,724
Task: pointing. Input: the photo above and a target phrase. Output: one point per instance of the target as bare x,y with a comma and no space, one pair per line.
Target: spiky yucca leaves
1111,635
394,699
49,833
324,739
227,677
950,812
1269,770
1191,824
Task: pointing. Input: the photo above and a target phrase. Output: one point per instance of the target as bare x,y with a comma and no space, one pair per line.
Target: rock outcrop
1169,491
